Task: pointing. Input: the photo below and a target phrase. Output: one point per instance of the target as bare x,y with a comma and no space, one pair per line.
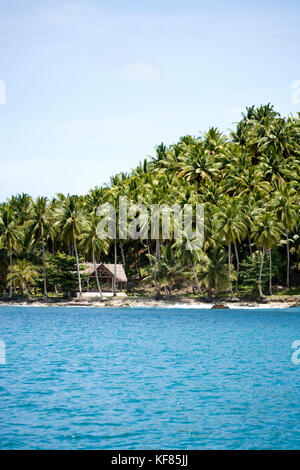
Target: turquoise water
86,378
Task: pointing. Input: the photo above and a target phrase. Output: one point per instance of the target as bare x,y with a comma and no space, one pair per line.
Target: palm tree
266,234
190,257
11,234
214,141
90,244
246,181
214,273
94,199
255,126
286,208
168,267
118,189
230,225
149,195
237,180
41,227
279,137
197,164
4,265
71,220
22,275
21,205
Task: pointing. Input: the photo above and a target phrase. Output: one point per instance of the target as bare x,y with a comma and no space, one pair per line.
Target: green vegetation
21,275
61,270
248,182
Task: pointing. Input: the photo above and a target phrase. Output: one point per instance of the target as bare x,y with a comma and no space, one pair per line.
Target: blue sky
92,86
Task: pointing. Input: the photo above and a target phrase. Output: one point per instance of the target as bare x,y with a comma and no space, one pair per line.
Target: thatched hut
106,274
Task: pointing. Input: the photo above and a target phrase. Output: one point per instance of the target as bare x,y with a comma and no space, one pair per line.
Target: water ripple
148,378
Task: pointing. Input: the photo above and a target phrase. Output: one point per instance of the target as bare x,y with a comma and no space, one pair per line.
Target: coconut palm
197,164
214,141
279,137
214,273
256,170
70,221
21,205
41,227
191,257
266,234
94,199
91,244
22,275
229,224
168,267
11,234
287,209
246,181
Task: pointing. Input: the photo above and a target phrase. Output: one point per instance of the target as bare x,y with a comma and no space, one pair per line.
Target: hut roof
109,270
89,268
120,273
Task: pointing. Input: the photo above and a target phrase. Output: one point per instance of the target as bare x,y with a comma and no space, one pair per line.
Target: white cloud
141,71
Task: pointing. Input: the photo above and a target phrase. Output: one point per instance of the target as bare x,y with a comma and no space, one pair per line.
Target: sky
91,86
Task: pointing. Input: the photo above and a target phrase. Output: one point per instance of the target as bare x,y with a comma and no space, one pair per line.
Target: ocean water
87,378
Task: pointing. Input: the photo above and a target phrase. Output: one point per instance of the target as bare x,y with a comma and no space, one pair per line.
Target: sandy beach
146,302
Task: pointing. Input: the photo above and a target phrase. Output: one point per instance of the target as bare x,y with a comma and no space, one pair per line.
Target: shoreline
146,302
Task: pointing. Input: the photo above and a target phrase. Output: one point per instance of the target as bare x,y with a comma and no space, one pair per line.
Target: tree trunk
123,262
250,247
288,260
10,264
96,272
155,268
123,257
237,267
270,272
78,270
196,279
27,293
149,252
44,269
260,273
137,265
229,268
115,269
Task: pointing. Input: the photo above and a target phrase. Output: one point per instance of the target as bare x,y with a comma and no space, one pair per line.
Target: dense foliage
248,182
